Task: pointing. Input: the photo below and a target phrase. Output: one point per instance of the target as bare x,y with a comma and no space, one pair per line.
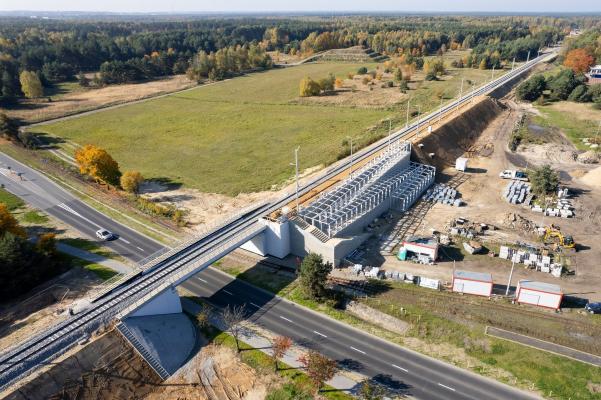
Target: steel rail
43,347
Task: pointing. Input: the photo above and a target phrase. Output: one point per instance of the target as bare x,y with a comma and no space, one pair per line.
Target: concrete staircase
153,362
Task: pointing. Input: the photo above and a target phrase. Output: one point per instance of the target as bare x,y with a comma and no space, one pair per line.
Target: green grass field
239,135
11,201
554,376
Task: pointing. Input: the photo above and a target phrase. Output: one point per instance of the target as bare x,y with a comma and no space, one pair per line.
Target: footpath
260,340
94,258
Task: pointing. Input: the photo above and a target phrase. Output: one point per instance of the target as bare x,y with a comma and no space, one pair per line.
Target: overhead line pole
296,173
389,132
408,106
460,93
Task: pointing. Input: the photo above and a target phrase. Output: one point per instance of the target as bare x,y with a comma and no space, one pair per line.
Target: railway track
40,349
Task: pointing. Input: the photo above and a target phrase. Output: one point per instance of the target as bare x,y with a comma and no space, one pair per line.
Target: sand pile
592,178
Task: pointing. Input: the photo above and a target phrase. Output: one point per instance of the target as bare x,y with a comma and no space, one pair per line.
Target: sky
179,6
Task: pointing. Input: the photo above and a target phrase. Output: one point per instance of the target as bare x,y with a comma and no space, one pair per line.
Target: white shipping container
461,164
429,283
539,294
477,283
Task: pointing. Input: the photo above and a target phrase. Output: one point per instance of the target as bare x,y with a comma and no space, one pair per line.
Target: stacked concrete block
443,194
516,192
531,259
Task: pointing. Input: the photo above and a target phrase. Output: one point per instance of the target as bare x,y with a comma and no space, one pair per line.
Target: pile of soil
455,138
518,222
590,157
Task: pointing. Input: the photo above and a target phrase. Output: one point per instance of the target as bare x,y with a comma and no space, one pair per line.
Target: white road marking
401,368
126,241
230,293
254,305
357,350
286,319
202,280
446,387
72,211
320,334
139,248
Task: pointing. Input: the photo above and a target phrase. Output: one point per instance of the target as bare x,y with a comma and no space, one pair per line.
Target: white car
103,234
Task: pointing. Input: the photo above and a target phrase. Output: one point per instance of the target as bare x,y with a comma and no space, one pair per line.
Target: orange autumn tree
578,60
9,224
97,163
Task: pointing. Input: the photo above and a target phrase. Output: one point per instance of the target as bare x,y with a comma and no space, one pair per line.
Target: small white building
539,294
461,164
594,75
422,246
478,283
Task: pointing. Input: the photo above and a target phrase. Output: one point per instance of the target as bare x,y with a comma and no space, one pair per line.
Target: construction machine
554,236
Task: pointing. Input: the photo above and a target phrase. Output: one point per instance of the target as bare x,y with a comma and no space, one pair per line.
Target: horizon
308,6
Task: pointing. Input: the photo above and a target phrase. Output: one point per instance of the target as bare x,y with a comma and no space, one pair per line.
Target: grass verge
263,364
554,376
12,202
54,169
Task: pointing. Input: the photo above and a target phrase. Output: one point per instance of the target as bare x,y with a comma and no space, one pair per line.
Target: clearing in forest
239,135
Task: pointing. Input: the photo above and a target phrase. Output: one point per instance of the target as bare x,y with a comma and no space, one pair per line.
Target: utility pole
492,75
389,132
440,112
528,58
296,170
407,122
350,172
419,111
513,63
460,93
510,276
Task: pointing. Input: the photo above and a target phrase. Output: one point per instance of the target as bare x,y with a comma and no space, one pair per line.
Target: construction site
445,219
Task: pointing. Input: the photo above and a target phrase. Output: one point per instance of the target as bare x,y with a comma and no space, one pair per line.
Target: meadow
239,135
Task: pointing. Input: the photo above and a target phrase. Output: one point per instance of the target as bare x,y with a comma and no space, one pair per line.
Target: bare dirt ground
70,103
483,194
43,306
216,373
206,209
108,368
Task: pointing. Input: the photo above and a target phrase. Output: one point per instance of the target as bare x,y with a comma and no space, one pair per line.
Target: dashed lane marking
446,387
286,319
320,334
202,280
228,292
357,350
401,368
255,305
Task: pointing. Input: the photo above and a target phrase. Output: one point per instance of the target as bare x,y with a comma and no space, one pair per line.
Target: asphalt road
45,195
408,372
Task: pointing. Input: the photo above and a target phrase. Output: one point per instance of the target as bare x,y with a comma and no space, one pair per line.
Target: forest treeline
125,51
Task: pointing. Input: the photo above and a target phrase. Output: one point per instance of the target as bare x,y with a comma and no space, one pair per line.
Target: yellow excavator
553,235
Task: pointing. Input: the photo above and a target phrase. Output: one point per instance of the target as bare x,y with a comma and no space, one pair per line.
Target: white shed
539,294
461,164
478,283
